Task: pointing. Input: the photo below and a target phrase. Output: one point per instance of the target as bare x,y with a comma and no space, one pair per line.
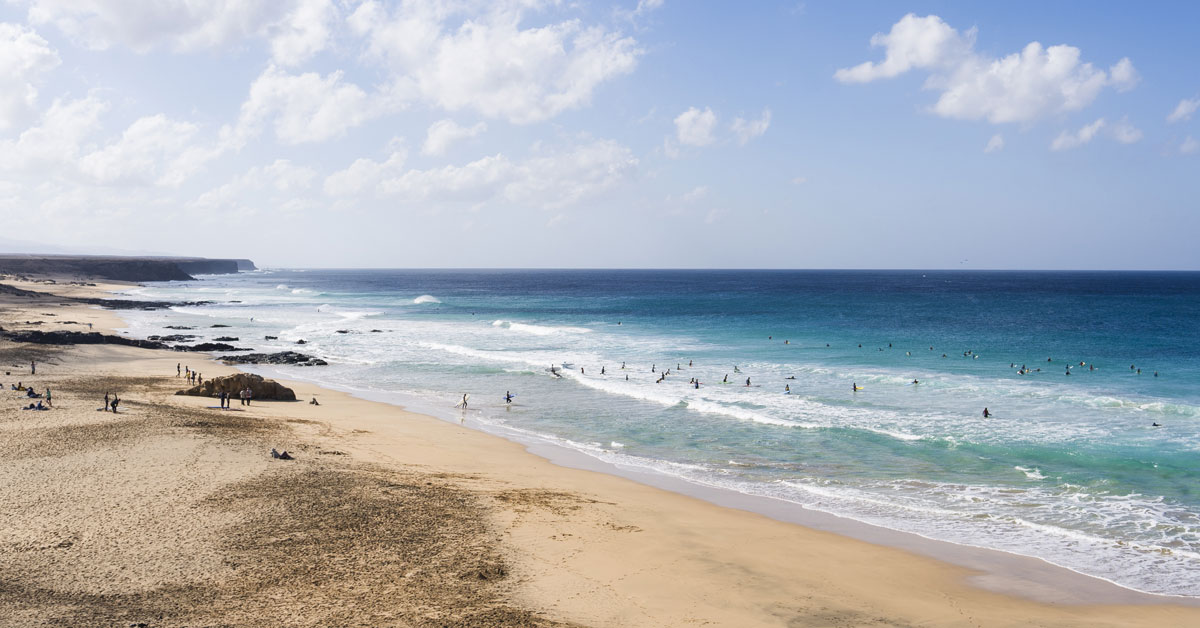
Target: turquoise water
1069,468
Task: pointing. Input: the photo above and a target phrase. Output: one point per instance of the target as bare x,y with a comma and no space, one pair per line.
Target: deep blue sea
1069,468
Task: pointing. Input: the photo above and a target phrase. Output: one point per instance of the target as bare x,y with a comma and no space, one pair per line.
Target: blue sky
531,133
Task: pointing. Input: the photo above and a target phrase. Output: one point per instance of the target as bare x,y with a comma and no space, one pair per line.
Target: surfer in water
986,414
508,397
463,403
787,389
854,386
726,380
747,381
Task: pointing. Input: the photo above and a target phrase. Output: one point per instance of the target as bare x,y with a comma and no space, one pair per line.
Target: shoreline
999,571
601,549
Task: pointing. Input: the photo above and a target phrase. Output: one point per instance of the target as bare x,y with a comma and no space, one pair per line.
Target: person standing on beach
249,395
32,367
105,408
177,371
48,400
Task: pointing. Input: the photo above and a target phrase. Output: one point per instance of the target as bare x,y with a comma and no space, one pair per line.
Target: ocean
1069,468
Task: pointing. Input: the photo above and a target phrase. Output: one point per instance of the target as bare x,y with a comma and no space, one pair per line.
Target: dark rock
234,384
376,331
173,338
283,357
130,304
177,327
344,331
79,338
225,339
218,325
301,342
210,346
271,337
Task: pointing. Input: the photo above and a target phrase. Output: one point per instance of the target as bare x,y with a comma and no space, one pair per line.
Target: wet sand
172,513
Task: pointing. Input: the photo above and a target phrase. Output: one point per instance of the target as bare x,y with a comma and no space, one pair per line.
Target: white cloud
24,57
149,151
799,180
303,32
994,144
553,180
695,127
1189,146
695,194
281,185
363,176
305,107
479,55
1020,87
1126,133
443,133
1184,110
1066,140
295,29
52,147
914,42
748,130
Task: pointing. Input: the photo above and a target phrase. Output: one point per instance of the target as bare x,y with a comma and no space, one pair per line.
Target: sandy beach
173,513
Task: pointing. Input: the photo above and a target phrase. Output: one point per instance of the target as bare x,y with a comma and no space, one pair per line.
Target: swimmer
696,384
915,382
790,377
1156,424
986,414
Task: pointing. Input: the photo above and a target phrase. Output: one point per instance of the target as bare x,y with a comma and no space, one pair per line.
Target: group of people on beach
188,374
246,395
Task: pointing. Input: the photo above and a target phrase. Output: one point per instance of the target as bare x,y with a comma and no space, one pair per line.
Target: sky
641,133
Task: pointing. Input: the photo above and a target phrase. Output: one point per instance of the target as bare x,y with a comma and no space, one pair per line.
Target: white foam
539,330
426,298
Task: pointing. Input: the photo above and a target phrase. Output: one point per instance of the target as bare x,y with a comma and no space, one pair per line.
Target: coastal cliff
119,268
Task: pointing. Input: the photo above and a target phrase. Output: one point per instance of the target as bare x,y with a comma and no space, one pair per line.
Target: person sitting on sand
314,402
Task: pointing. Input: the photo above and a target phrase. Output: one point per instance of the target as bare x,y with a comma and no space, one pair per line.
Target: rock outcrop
120,268
78,338
283,357
234,384
210,346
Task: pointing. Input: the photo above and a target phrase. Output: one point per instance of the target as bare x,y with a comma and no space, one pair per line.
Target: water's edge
998,571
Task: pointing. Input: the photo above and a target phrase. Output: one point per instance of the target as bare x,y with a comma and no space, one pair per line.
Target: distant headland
119,268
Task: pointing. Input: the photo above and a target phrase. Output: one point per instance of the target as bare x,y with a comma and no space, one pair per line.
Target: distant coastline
120,268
